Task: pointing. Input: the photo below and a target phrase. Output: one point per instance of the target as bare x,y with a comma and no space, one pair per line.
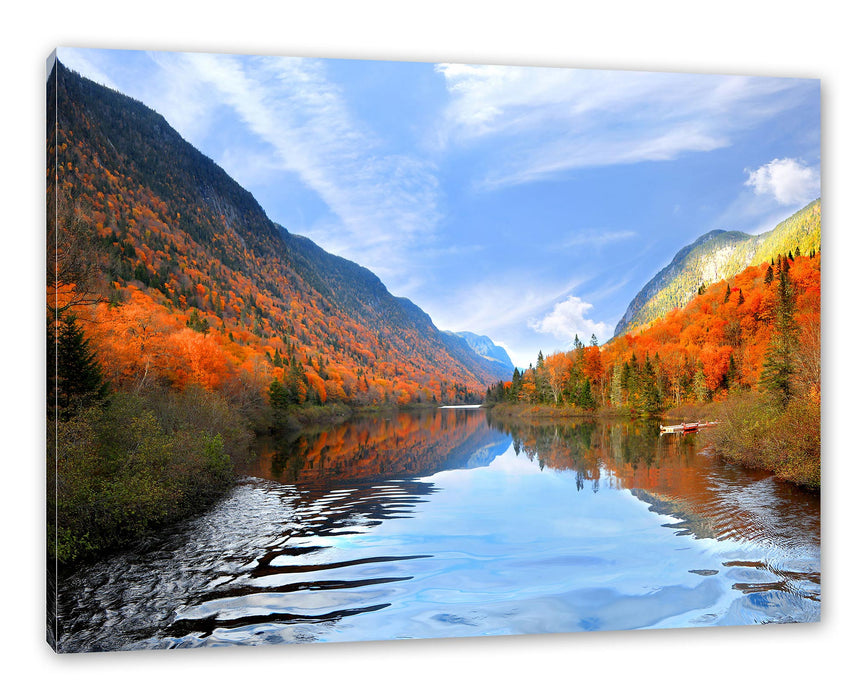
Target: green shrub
137,463
756,431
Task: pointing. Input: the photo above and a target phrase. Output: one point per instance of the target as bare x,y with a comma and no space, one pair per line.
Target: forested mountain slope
718,255
193,282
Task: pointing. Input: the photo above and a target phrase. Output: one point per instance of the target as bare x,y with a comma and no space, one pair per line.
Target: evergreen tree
543,390
75,378
650,401
631,379
700,385
516,383
731,374
616,385
585,399
296,382
768,278
278,398
778,372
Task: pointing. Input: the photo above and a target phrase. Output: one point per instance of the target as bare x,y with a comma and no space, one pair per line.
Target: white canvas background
772,38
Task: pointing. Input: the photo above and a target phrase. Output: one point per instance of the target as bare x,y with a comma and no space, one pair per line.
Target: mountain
486,348
715,256
188,265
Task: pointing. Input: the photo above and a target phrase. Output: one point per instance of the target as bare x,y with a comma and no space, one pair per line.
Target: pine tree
543,390
75,378
700,385
278,398
616,384
585,399
778,372
516,382
650,399
768,278
731,374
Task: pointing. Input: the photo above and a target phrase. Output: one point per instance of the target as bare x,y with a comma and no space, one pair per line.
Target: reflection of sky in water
518,550
506,548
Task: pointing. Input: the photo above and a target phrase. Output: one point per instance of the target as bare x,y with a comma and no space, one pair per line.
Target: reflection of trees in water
667,471
399,444
629,454
590,448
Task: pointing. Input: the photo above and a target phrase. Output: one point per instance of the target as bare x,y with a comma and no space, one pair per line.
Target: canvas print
344,350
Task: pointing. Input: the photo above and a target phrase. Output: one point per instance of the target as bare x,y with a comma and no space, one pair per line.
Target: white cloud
568,118
490,305
788,180
569,318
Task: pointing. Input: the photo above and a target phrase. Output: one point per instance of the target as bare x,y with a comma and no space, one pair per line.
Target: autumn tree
558,372
72,259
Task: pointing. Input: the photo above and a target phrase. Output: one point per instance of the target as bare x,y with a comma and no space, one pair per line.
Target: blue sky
527,204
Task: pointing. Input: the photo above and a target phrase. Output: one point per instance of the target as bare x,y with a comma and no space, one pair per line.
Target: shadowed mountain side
487,349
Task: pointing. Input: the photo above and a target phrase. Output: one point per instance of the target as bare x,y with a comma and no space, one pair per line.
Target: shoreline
788,465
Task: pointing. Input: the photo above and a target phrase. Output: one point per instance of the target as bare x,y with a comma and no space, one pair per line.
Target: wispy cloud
569,119
80,60
382,202
378,198
490,305
596,238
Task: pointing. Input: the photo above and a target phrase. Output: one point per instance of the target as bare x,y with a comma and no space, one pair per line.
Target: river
450,524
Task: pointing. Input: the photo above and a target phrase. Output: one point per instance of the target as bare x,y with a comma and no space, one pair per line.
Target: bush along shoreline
131,464
757,433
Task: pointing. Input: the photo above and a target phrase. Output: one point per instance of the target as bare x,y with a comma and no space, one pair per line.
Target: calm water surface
450,524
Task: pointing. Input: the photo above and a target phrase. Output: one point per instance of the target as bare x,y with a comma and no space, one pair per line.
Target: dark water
447,524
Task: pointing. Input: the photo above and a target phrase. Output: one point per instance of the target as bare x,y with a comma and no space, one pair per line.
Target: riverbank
138,463
755,433
752,433
525,410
